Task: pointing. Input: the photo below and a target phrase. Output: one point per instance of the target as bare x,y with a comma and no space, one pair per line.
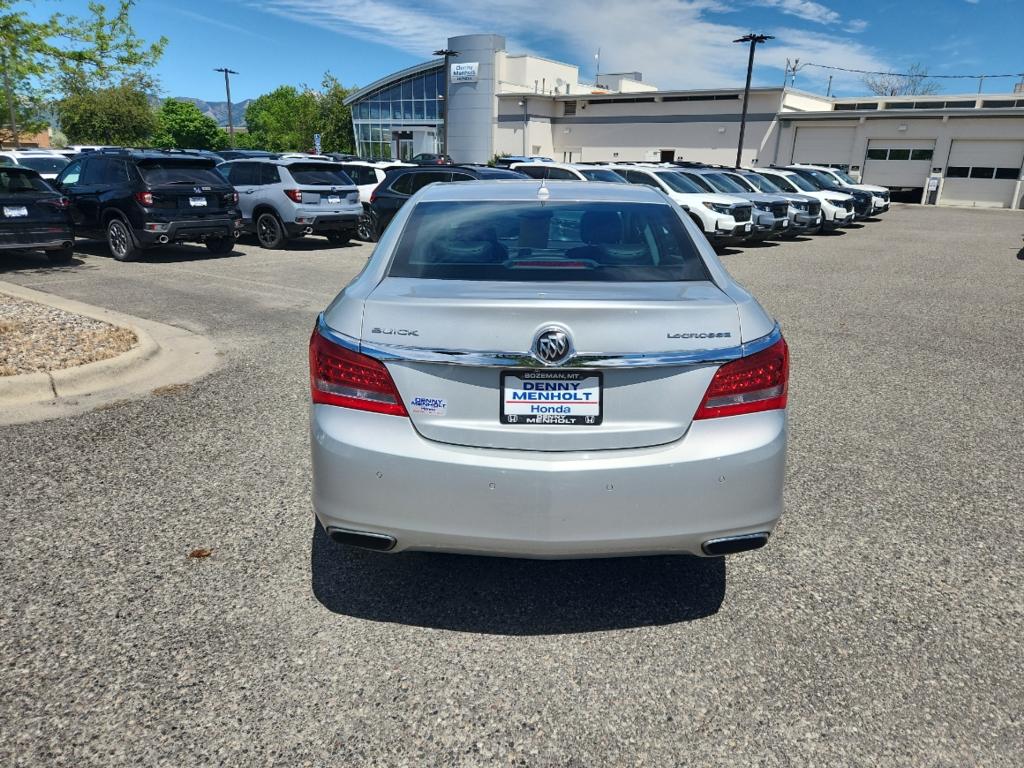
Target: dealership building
942,149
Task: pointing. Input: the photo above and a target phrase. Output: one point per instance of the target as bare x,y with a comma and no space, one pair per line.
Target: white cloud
808,10
675,43
856,25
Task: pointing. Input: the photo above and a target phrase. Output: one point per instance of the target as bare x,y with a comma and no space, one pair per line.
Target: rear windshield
13,182
157,172
44,164
319,173
601,174
528,241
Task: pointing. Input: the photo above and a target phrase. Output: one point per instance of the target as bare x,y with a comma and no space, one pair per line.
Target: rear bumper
374,473
154,232
46,238
324,222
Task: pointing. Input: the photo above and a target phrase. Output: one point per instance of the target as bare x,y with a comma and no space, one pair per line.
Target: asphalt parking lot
883,624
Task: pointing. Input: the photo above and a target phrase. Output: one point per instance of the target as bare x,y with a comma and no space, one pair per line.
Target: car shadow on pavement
164,254
504,596
35,262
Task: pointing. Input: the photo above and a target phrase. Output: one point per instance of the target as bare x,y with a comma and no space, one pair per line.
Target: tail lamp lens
144,198
295,195
60,203
339,376
755,383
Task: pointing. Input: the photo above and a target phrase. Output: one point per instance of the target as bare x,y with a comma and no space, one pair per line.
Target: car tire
120,241
61,255
366,229
270,231
339,237
220,245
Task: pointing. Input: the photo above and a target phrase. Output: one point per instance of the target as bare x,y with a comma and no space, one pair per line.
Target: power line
910,74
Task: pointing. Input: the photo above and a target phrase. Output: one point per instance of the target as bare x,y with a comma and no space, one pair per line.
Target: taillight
144,198
755,383
60,203
234,198
338,376
294,194
373,196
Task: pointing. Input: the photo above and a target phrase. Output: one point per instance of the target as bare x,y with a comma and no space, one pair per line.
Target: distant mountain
218,110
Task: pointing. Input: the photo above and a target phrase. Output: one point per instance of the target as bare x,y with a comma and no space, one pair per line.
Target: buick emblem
552,346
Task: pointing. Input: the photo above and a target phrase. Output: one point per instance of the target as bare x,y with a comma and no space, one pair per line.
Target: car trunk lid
418,326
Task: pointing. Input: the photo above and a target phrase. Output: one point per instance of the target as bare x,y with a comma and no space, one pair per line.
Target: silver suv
288,198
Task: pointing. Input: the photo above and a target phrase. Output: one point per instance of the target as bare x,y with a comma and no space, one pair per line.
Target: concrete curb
163,355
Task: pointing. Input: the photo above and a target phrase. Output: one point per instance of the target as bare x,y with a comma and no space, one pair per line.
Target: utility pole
753,40
447,53
10,102
522,101
227,89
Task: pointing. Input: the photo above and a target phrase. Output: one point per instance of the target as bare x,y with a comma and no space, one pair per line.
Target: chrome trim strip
396,353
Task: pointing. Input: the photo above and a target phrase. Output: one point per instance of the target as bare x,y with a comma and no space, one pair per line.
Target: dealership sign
464,72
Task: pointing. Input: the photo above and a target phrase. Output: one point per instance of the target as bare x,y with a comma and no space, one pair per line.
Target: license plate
197,202
13,211
785,223
748,226
333,200
551,397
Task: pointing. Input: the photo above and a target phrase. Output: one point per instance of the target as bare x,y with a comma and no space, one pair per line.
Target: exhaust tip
66,244
163,239
378,542
730,545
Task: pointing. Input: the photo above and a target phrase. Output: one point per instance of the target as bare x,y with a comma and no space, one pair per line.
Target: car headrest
598,228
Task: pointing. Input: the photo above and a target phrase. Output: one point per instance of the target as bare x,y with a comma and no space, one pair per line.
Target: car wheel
270,231
61,255
220,245
339,237
121,241
366,229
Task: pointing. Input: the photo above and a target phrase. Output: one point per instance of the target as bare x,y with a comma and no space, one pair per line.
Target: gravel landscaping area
35,337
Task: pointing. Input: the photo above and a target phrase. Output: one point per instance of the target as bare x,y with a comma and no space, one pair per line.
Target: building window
997,104
1010,174
570,108
920,154
899,154
981,172
877,154
957,172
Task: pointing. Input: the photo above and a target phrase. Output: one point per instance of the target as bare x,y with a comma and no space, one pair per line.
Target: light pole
753,40
522,103
227,89
447,53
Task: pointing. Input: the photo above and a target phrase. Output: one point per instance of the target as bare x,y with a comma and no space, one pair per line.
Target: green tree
182,126
335,117
284,120
119,115
26,57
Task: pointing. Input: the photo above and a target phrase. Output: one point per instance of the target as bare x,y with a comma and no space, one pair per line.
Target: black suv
138,199
33,215
402,183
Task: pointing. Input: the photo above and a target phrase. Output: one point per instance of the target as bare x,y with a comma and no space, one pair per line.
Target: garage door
982,173
898,163
823,146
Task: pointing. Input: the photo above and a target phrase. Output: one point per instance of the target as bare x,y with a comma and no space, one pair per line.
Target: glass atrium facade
402,118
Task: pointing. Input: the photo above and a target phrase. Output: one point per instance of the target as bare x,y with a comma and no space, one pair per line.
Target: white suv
567,172
43,161
836,207
879,195
724,219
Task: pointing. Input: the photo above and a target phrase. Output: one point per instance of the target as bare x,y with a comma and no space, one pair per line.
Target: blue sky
675,43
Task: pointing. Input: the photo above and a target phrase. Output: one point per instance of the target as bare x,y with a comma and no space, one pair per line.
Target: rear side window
360,174
95,171
561,174
536,241
403,184
269,174
14,182
420,180
533,171
322,174
158,172
601,174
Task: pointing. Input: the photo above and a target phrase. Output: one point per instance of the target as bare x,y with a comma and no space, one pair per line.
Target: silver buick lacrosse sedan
547,369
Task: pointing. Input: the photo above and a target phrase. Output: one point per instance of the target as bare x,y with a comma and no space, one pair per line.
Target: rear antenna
543,193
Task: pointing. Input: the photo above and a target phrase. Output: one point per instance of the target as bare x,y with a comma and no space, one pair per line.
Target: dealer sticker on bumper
551,397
